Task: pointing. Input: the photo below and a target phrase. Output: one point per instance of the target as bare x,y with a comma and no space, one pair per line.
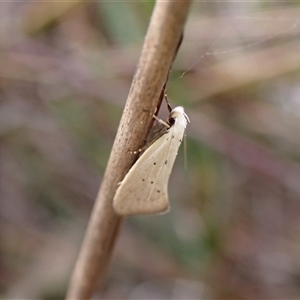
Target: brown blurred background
234,227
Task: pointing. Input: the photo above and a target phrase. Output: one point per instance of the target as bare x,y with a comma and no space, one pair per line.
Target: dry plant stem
163,35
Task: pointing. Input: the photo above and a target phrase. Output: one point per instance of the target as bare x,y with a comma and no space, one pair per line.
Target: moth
144,189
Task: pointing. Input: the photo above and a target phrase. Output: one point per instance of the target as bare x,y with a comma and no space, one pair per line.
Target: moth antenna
185,151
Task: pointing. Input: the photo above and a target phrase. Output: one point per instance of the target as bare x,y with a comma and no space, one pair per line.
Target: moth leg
161,121
161,132
168,103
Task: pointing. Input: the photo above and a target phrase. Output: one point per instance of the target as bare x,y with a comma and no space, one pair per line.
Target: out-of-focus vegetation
234,227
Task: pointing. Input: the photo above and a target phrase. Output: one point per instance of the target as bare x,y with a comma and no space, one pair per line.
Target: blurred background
234,226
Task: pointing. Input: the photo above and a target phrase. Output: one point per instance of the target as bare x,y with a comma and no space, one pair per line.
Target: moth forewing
135,193
144,189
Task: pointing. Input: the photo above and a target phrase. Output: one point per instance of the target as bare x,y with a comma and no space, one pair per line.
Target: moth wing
143,189
161,182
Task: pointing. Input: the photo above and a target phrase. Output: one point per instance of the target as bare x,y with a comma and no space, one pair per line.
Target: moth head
178,116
